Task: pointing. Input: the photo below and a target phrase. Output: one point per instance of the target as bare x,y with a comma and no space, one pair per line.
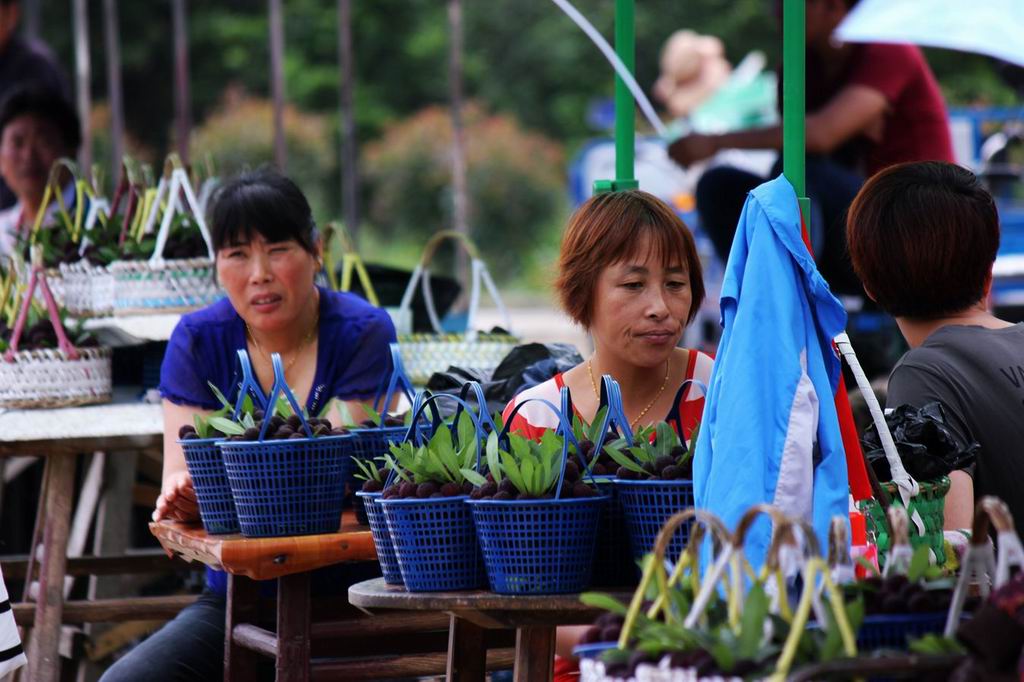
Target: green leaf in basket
509,468
326,409
755,610
605,602
202,428
217,394
918,563
623,461
526,467
282,407
227,426
372,413
248,421
692,448
465,429
366,470
247,405
594,430
493,462
473,477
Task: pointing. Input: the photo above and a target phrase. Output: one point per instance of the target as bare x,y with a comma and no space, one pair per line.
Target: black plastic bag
927,446
525,366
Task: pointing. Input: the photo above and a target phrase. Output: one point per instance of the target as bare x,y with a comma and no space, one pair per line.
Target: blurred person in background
869,106
37,127
25,63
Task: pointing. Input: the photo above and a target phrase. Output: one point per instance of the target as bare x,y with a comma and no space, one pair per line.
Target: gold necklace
302,344
597,394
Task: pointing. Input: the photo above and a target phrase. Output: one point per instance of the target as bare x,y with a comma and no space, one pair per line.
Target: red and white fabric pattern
534,418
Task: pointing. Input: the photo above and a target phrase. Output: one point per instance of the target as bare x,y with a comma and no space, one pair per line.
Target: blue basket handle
564,428
414,435
478,392
281,388
398,380
615,418
249,385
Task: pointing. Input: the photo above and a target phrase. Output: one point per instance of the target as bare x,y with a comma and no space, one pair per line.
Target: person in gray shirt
923,238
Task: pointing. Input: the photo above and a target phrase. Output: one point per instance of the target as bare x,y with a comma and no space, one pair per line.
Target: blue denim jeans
189,648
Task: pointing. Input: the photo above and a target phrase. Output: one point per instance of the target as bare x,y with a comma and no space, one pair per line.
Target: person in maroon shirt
869,106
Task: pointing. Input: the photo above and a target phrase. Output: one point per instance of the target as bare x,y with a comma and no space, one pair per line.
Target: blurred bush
239,136
515,178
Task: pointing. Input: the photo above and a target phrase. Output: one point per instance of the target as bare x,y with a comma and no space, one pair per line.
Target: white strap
97,205
978,567
905,483
479,273
179,183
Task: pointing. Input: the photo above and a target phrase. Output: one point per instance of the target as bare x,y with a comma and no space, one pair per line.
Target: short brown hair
923,237
607,229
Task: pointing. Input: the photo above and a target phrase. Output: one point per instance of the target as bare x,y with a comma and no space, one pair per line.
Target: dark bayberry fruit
251,433
277,421
586,447
382,473
372,486
583,490
339,432
368,424
502,495
649,468
297,436
599,469
677,452
525,496
610,633
451,489
436,495
258,414
489,477
467,487
321,430
425,490
488,489
662,462
392,491
625,474
190,435
295,421
671,473
893,604
408,490
506,486
572,472
592,635
920,603
475,494
186,428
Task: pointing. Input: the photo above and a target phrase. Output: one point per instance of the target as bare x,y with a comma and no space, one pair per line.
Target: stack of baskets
59,377
277,487
162,285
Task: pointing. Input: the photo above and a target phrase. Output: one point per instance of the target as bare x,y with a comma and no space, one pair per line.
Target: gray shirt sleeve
912,384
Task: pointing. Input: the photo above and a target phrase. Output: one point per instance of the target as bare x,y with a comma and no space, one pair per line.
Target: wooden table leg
293,628
535,654
44,659
240,664
467,654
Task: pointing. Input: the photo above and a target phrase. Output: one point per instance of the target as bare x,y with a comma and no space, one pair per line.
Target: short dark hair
46,105
607,229
923,237
262,201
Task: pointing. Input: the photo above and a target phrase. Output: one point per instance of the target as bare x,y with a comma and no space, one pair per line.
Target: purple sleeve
181,377
371,360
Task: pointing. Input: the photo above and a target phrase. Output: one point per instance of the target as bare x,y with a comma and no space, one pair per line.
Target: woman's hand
177,499
692,148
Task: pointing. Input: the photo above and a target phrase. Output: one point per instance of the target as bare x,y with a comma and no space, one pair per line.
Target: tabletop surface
266,558
99,427
378,594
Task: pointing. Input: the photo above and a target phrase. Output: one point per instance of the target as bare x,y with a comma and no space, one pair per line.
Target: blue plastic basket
381,538
368,444
435,543
210,480
646,506
538,546
613,562
287,487
893,631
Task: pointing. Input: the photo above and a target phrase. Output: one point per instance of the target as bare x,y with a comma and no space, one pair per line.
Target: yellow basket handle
350,260
54,192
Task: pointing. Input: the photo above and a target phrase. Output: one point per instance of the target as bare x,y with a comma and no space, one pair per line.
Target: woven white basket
86,290
167,285
425,354
50,378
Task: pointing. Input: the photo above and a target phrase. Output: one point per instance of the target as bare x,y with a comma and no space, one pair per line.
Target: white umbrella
991,27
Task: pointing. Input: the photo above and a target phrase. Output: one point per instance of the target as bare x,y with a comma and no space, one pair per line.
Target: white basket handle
479,272
905,483
178,183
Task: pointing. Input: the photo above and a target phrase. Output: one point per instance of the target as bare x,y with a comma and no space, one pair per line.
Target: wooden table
289,560
59,436
534,619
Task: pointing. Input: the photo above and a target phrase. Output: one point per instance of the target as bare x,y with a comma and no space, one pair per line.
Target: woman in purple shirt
333,346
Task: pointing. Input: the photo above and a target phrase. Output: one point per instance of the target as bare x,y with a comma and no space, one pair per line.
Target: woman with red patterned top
630,275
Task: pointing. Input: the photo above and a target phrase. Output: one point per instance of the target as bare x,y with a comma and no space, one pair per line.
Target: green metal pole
793,101
625,134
